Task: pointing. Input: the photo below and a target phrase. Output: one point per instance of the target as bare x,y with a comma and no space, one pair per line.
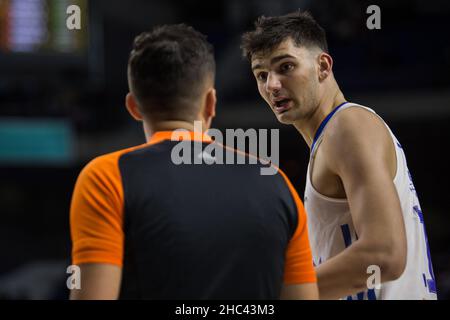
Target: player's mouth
282,105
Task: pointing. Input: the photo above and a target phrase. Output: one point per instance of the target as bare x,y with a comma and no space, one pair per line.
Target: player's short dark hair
271,31
167,70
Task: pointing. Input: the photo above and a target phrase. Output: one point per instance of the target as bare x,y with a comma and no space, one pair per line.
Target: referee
143,227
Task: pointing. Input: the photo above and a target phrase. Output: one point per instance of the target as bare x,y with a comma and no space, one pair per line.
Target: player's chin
285,117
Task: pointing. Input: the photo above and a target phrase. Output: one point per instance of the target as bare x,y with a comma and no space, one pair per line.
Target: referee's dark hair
168,69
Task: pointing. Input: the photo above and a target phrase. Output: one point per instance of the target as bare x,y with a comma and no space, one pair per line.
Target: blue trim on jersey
430,283
371,294
419,213
346,234
324,123
432,286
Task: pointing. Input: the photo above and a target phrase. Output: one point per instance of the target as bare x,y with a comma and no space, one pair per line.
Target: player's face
287,80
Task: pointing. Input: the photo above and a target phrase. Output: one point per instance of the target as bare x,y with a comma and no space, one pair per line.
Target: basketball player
145,228
362,207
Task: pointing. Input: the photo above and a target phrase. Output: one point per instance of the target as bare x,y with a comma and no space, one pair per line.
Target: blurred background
62,103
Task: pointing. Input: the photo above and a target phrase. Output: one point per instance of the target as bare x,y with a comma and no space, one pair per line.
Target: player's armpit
305,291
99,281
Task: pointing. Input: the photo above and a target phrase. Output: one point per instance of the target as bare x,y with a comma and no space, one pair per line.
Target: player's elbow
390,257
391,260
392,266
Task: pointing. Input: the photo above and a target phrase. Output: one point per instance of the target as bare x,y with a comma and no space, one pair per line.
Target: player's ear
132,107
325,62
209,110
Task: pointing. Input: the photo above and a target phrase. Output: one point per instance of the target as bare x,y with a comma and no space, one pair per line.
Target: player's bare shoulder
358,136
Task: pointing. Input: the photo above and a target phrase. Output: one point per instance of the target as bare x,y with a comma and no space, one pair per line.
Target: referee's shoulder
108,162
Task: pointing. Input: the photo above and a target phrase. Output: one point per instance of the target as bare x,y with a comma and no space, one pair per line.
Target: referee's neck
169,125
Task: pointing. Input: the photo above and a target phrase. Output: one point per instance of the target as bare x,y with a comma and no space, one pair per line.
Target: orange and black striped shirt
204,231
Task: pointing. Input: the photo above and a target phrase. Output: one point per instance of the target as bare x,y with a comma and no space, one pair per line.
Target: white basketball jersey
331,229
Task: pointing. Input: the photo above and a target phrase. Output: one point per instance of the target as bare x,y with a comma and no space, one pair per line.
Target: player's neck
309,126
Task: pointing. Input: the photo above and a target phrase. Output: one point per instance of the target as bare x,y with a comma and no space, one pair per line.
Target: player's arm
99,281
96,219
305,291
300,281
362,154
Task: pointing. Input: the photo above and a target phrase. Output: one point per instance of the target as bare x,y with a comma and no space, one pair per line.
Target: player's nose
273,83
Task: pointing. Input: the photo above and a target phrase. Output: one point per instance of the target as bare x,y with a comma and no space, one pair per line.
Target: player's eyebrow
273,60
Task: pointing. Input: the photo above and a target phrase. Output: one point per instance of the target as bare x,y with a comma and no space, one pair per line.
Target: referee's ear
132,107
209,110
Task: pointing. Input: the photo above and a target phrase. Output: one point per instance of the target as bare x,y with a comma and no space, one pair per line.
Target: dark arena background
62,96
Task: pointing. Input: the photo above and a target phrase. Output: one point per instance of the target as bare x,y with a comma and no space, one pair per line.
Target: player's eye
261,76
285,67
